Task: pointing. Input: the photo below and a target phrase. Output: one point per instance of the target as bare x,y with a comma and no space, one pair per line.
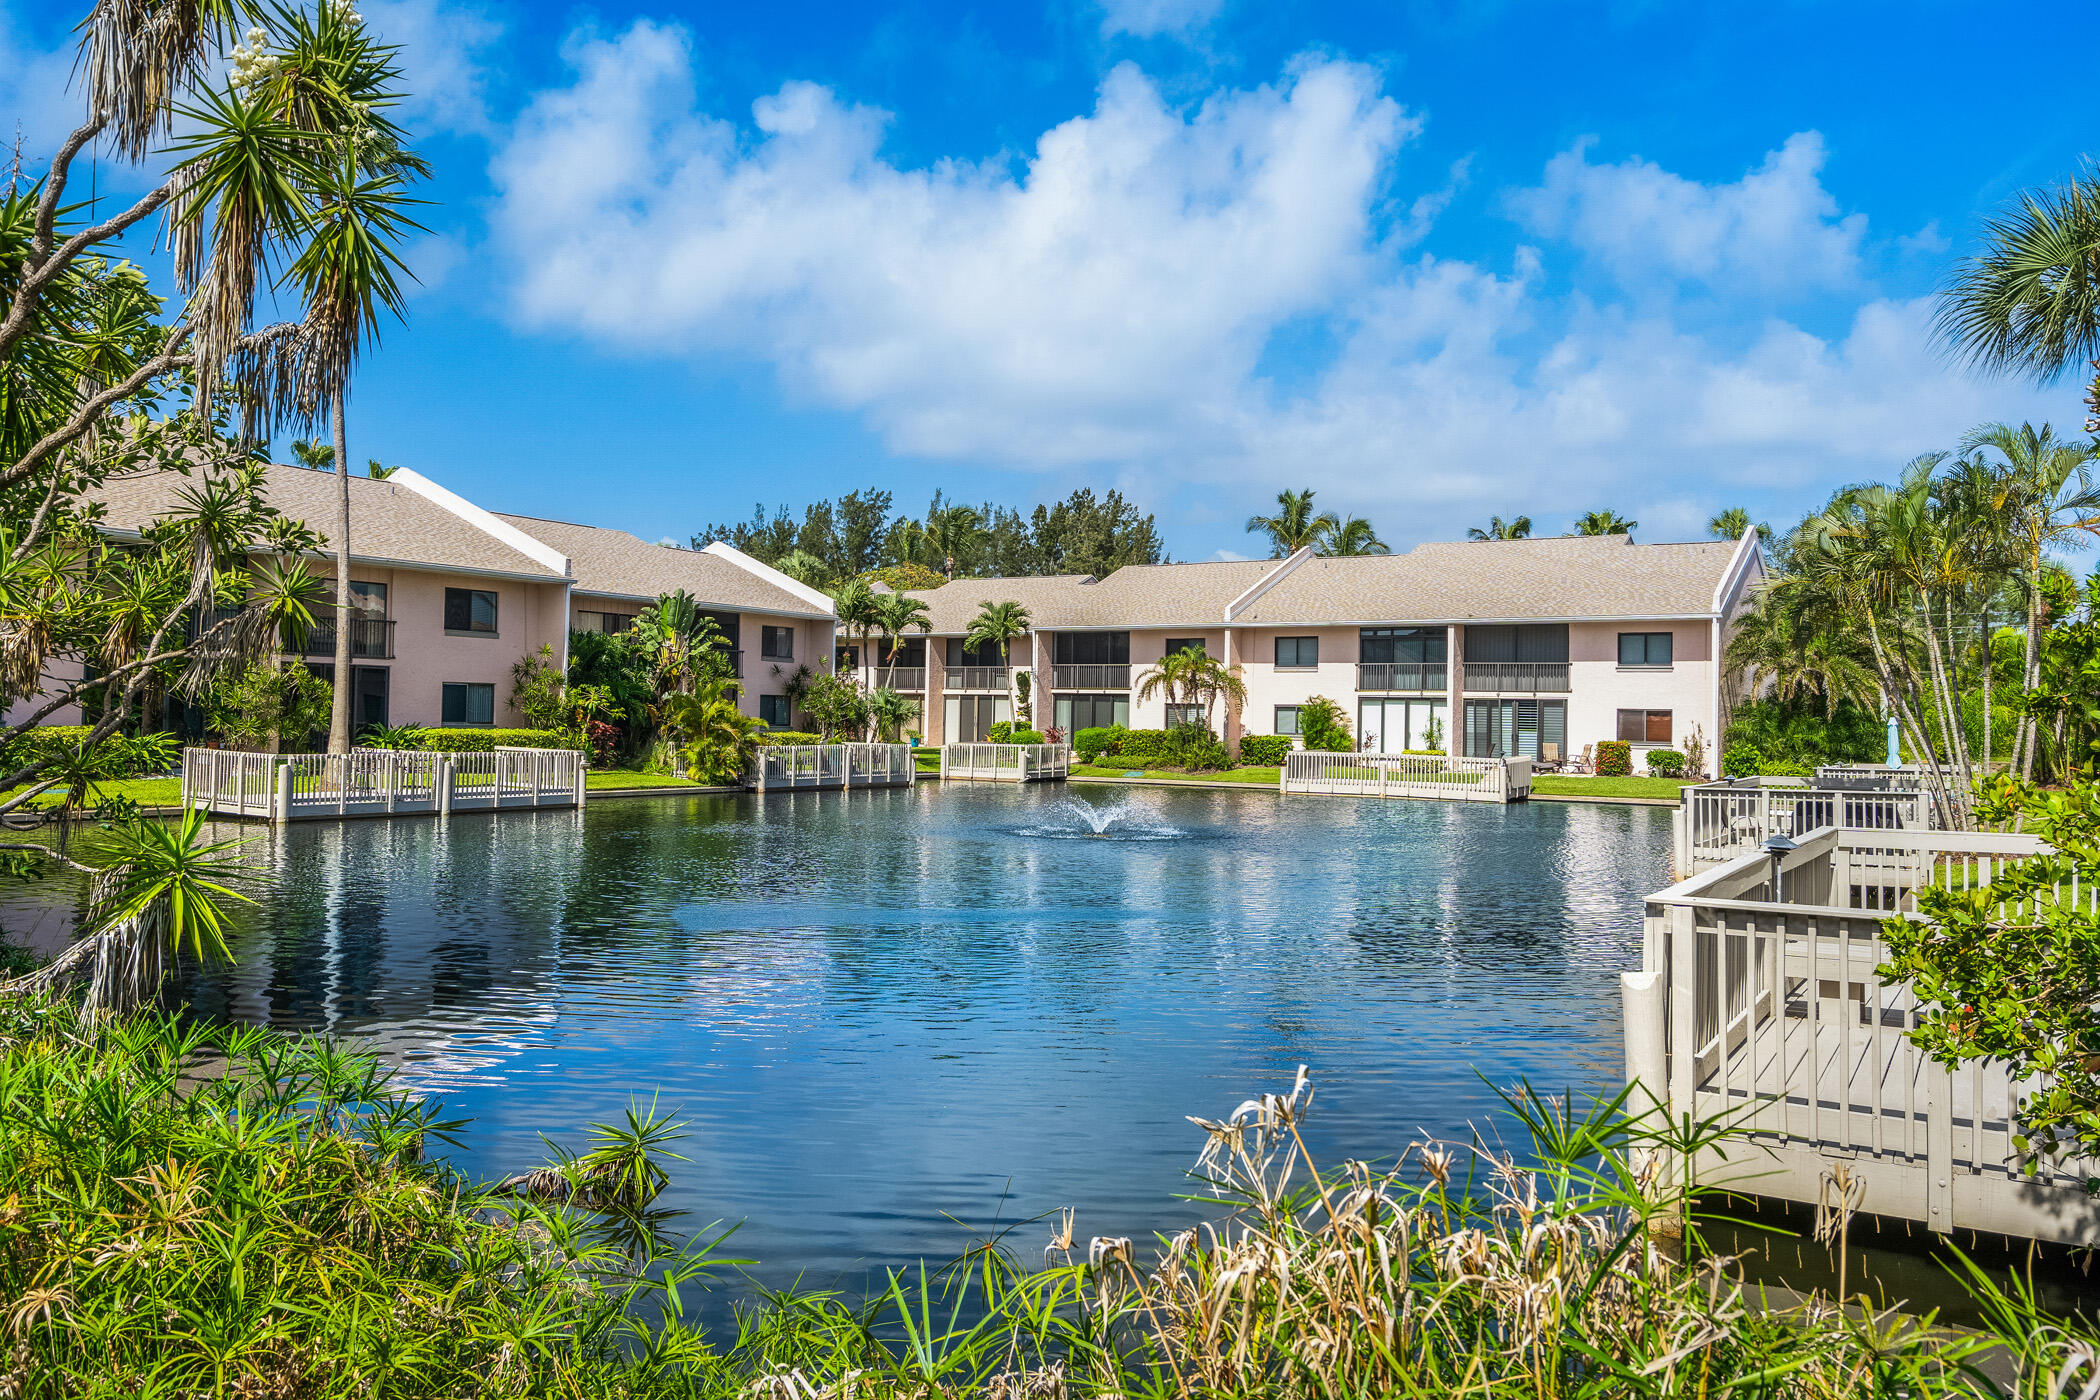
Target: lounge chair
1549,757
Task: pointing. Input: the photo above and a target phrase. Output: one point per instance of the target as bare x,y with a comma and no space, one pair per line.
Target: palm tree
889,712
719,739
1500,529
804,567
859,611
314,456
1601,522
950,536
997,624
896,614
1294,526
1734,523
1351,538
376,471
2030,301
1193,678
2047,500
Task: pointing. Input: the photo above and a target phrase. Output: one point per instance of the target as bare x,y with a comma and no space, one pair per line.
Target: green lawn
1557,785
621,778
1252,777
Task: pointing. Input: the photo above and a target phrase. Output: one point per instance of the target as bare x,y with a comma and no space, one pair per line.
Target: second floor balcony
1516,677
978,678
1401,675
902,678
1089,676
371,638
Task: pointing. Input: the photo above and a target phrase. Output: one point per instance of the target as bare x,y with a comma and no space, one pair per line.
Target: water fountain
1077,818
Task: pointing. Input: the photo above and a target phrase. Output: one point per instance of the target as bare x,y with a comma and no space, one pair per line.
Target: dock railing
378,782
1406,775
1717,822
1005,763
786,767
1765,1005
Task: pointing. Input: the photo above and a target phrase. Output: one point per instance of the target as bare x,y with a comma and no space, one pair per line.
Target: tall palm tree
2029,302
999,625
1518,528
1351,538
950,535
2048,499
896,614
1734,523
376,471
859,610
1603,522
1295,524
314,456
1193,678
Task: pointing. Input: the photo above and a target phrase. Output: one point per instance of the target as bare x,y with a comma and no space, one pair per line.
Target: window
777,643
1073,713
1090,649
1388,644
774,710
470,610
1180,644
1287,720
1645,726
985,655
1540,641
603,621
1644,648
1301,653
1178,715
466,702
368,598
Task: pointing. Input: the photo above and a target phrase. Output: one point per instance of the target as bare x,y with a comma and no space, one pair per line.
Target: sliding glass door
1515,728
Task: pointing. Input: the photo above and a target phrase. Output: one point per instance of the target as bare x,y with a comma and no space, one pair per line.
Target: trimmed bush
1025,736
489,740
1665,763
1091,743
787,736
1742,761
1614,759
1264,750
45,741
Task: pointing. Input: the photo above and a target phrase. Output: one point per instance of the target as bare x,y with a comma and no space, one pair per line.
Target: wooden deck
1005,763
1769,1011
832,767
378,782
1406,775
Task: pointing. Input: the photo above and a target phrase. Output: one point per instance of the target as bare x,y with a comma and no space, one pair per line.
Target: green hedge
1614,759
788,736
1090,744
1665,763
45,741
1264,750
486,740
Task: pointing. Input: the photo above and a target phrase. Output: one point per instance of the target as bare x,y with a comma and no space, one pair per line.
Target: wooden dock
378,782
832,767
1005,763
1434,776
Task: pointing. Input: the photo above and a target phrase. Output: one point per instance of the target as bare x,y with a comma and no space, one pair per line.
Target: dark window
368,598
731,627
604,621
1543,641
371,687
1402,644
1645,726
1091,649
777,643
1502,728
773,709
466,702
470,610
1298,651
1644,648
1076,712
986,655
1287,720
846,659
1178,715
912,653
1176,644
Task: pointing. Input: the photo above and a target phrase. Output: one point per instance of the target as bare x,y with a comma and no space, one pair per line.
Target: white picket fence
378,782
1717,822
1005,763
785,767
1407,775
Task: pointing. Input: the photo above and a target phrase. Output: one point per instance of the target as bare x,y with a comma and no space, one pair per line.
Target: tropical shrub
401,737
539,691
1614,759
839,707
1000,733
786,736
1090,743
1741,761
40,745
487,740
1850,733
246,707
603,741
1139,745
1324,726
1024,736
1665,763
116,756
1200,751
716,737
1264,750
889,711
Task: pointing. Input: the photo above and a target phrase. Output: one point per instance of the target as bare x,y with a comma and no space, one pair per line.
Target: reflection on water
886,1012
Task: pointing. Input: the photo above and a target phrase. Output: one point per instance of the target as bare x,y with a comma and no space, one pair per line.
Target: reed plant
188,1210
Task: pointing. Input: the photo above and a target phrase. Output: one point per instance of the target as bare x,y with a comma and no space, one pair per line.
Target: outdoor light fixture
1777,845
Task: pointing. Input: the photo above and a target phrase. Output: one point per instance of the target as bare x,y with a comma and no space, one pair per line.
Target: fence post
284,792
444,785
582,773
1683,942
1939,1146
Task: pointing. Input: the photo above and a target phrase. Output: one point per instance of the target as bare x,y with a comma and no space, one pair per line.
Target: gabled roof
615,564
390,524
953,604
1598,576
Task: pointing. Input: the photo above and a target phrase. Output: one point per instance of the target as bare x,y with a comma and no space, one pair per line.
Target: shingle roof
953,604
389,523
1604,576
617,564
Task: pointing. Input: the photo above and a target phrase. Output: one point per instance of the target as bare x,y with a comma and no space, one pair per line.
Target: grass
1251,777
1575,785
622,778
280,1229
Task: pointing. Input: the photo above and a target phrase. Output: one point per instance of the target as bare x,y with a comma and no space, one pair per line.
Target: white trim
1737,563
482,520
585,595
1266,582
773,576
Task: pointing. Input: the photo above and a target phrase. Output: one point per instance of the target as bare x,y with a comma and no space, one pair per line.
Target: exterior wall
1146,650
1599,687
813,646
933,719
1268,687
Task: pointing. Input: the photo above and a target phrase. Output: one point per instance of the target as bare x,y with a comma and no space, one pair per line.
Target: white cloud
1147,18
1102,308
445,49
1776,229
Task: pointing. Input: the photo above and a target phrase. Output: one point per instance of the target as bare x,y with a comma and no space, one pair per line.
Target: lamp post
1777,846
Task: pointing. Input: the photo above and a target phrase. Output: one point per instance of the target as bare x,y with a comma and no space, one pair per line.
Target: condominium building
1530,646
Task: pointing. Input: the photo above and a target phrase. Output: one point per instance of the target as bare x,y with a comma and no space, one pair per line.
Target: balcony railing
1400,675
975,678
1085,676
1516,677
370,637
905,678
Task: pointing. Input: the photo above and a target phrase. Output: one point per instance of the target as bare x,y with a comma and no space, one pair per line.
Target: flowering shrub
1614,759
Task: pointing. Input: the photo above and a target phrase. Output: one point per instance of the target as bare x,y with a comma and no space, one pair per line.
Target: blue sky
1438,261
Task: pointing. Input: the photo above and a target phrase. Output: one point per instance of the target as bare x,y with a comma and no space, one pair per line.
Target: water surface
893,1019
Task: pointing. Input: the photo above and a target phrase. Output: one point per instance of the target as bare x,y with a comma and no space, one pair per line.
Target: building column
1235,722
934,717
1454,690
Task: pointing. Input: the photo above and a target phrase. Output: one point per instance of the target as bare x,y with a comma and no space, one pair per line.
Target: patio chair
1549,757
1587,763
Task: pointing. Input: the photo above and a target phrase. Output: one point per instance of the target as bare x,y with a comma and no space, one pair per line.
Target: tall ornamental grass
189,1211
